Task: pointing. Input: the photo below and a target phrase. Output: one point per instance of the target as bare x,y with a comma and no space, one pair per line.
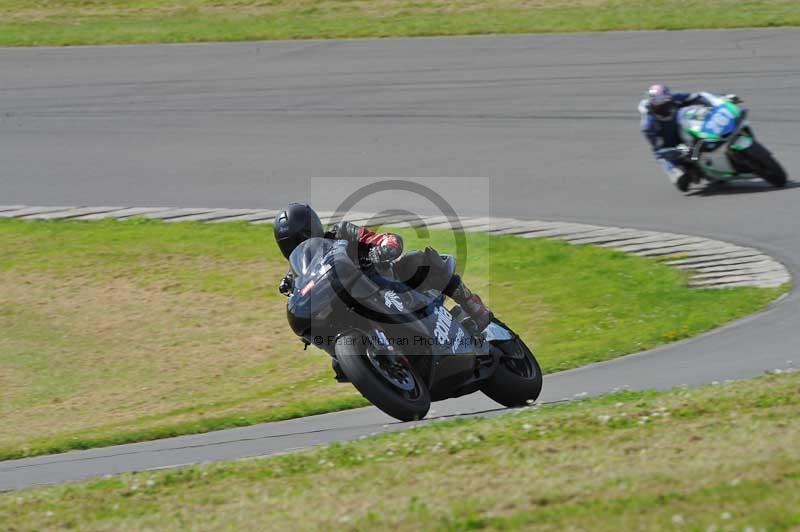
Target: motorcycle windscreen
315,257
307,259
720,121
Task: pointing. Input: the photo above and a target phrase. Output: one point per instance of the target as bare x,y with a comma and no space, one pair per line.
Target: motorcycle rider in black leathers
419,269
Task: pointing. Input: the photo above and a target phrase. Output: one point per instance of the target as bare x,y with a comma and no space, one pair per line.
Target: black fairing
333,296
298,313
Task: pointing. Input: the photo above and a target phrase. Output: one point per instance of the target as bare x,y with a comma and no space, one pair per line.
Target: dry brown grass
130,350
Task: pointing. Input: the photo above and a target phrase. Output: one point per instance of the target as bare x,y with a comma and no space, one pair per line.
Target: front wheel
517,381
387,382
764,165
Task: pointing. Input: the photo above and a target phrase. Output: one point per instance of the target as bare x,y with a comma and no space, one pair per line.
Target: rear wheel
388,382
764,165
518,378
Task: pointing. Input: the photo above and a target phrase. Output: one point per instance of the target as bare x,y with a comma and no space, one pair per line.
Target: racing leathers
663,135
418,269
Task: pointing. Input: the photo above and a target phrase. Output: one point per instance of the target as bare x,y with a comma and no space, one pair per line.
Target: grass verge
25,23
721,457
116,332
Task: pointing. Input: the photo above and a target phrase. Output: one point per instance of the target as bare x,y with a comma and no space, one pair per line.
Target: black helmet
292,226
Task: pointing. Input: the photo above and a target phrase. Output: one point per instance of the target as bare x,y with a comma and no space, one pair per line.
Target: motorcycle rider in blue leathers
660,126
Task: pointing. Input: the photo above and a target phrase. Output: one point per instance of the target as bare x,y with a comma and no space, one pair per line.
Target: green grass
721,457
26,23
126,331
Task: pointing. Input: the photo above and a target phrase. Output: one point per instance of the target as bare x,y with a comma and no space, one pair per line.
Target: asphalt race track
551,120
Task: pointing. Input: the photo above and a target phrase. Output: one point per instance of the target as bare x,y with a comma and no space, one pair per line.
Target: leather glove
375,255
381,255
733,98
286,285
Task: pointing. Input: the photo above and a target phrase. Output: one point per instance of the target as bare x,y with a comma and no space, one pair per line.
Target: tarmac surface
548,123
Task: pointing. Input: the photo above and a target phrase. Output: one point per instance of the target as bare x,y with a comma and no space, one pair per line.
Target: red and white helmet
659,100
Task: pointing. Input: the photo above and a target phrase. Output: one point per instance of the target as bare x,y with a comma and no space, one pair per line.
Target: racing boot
471,304
680,178
339,374
682,183
684,174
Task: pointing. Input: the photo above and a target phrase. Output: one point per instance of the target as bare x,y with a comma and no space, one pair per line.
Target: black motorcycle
402,348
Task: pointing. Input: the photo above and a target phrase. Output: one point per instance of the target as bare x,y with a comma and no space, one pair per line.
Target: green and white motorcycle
719,142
